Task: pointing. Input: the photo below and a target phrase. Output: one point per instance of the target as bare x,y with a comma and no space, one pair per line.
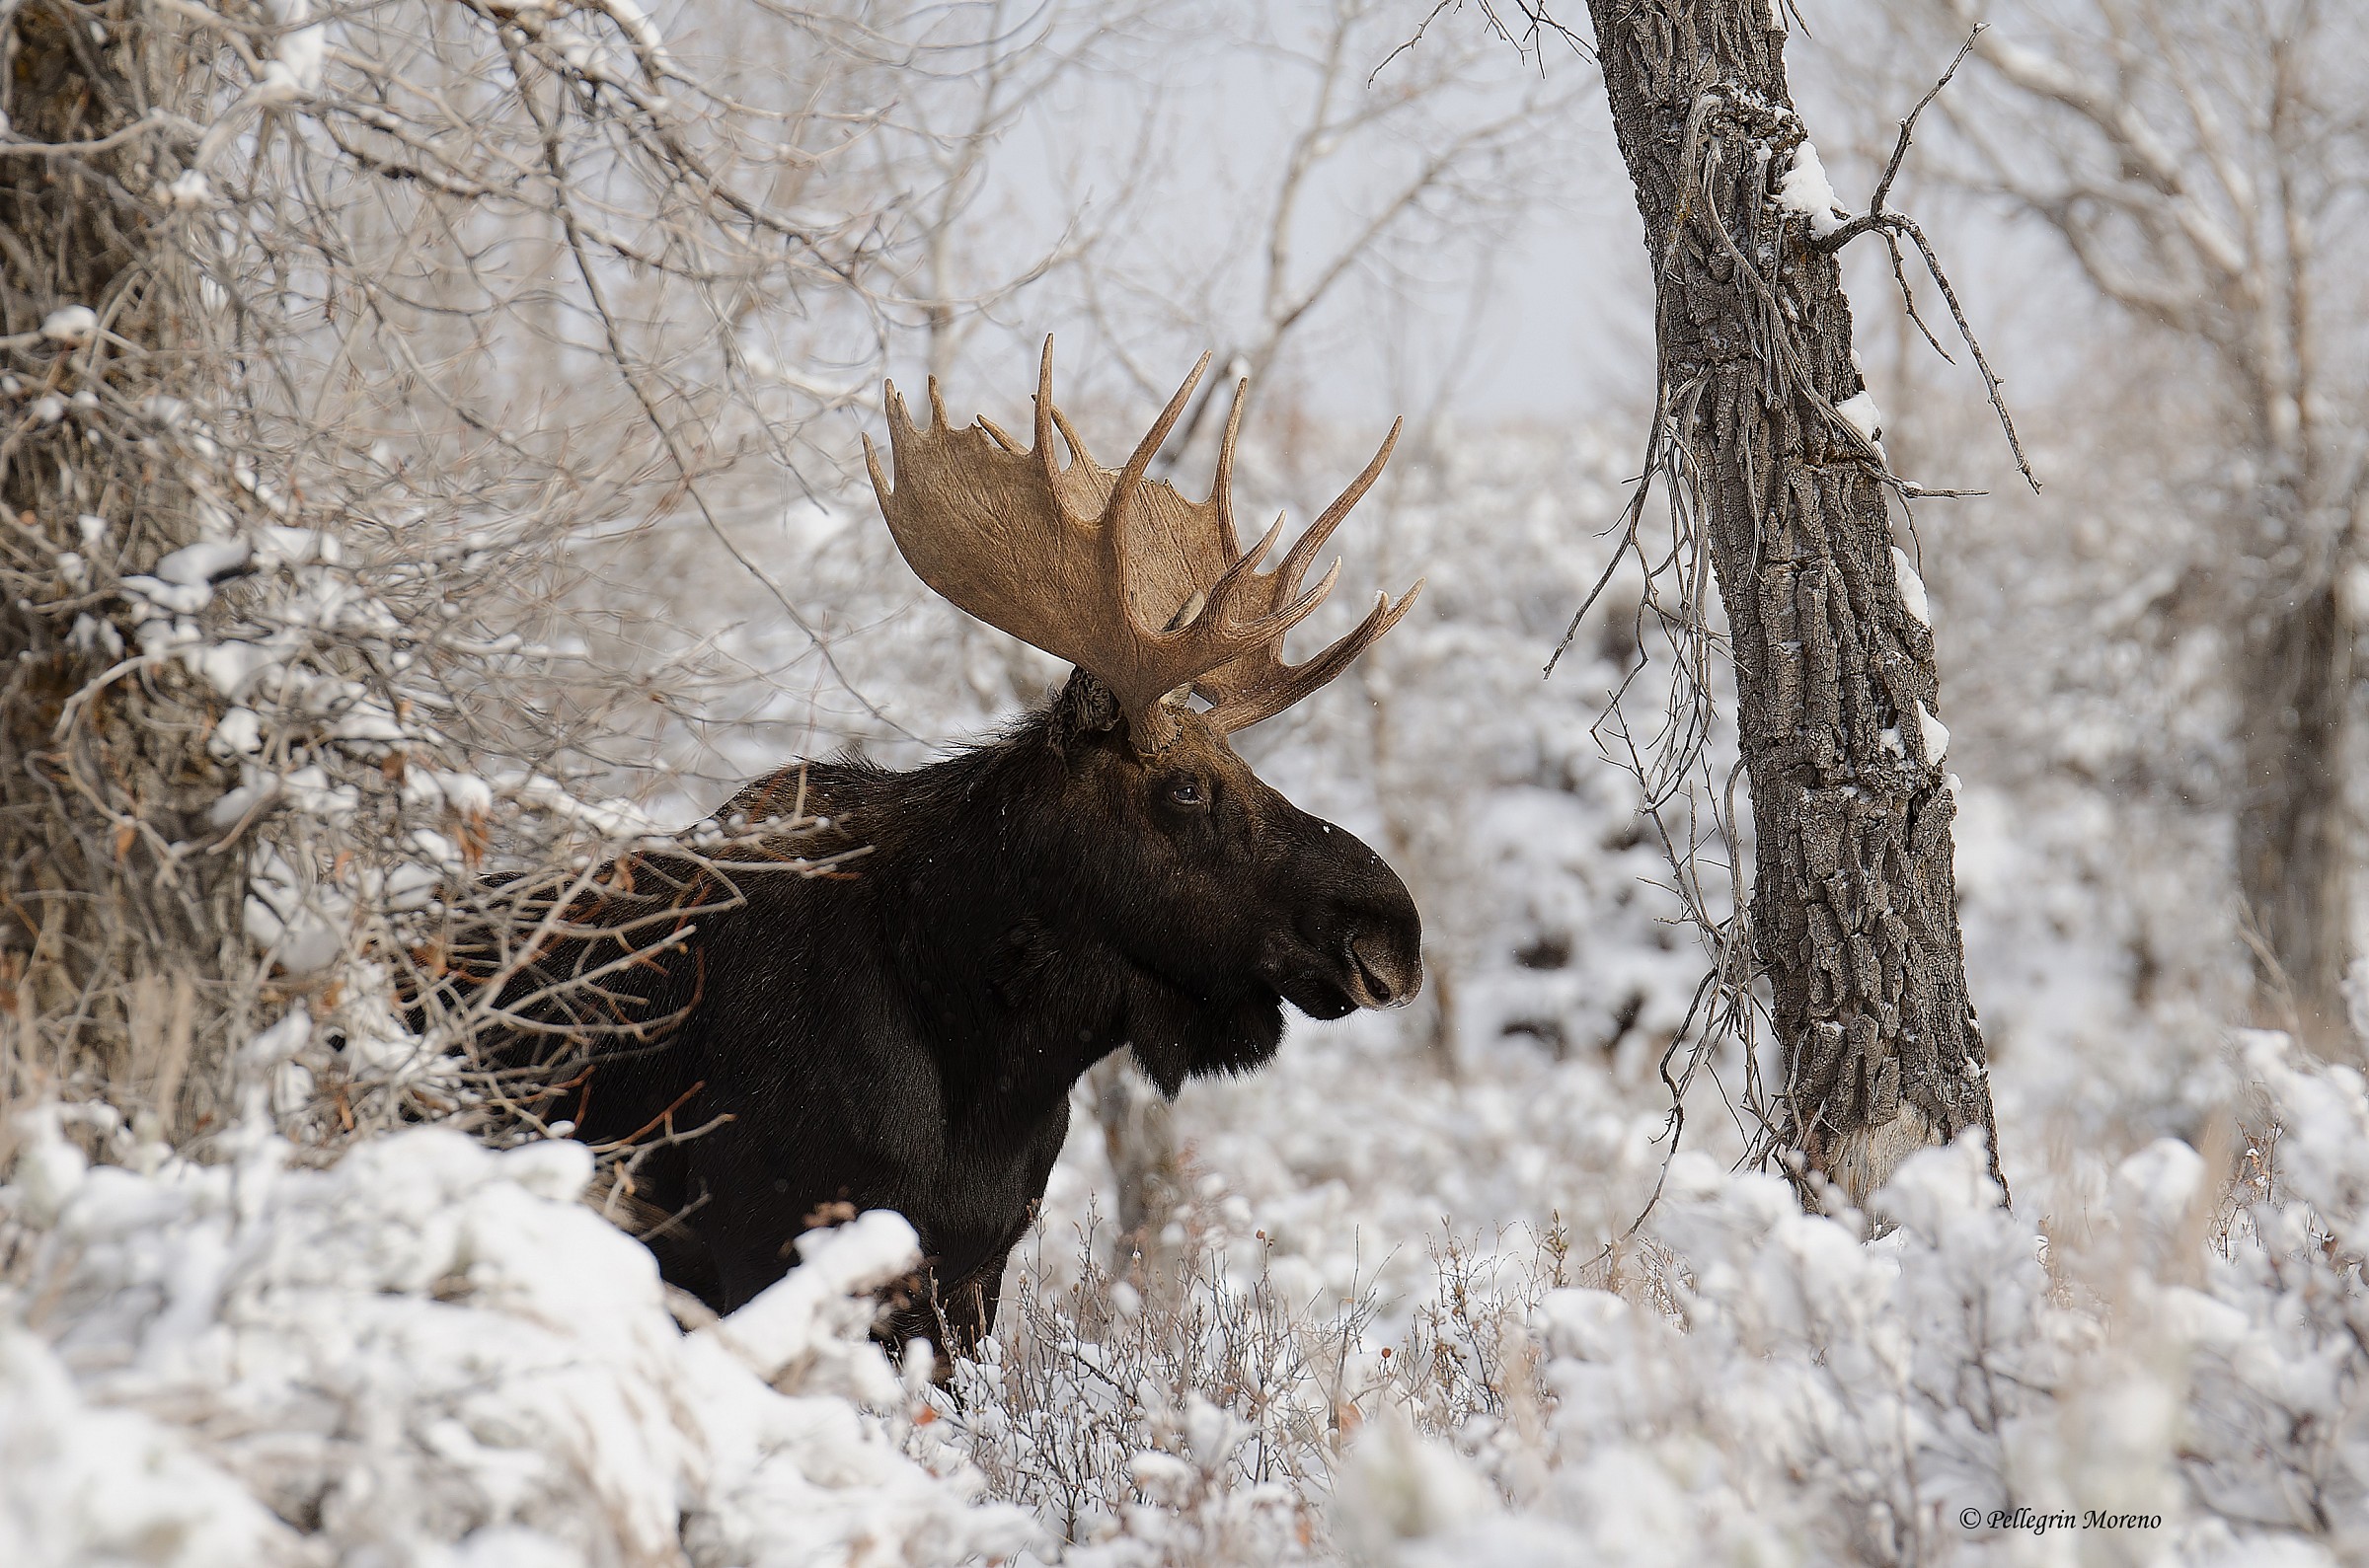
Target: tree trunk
114,921
1852,914
1139,1132
2293,841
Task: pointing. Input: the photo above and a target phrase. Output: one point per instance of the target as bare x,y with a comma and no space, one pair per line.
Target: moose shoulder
903,1033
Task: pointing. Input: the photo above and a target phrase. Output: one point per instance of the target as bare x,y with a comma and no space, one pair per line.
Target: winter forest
489,1062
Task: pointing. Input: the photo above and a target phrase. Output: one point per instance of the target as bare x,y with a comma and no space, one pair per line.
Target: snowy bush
2188,1369
430,1352
1172,1416
2165,1360
431,1347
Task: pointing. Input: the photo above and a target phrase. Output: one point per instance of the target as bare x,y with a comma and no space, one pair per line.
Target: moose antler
1119,575
1258,685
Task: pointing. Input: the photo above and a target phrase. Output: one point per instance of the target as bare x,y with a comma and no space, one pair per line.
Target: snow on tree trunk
1854,907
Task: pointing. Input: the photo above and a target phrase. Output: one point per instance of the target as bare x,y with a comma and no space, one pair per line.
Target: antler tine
1288,572
1044,414
1239,566
1131,478
1243,564
1238,581
1304,606
1221,490
938,419
1070,437
900,425
1294,565
1288,683
1257,684
1139,460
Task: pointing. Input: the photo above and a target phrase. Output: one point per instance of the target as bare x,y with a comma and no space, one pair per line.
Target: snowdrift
432,1352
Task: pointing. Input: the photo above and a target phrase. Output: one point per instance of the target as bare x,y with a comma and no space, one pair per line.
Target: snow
1911,587
786,1325
442,1356
298,927
84,1484
1804,189
88,632
204,563
178,598
280,1043
433,1347
1863,415
297,547
1935,734
70,325
1785,1379
1399,1485
293,72
463,792
231,667
50,1170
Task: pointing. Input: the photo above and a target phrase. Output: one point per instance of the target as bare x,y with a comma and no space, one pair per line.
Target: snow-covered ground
429,1353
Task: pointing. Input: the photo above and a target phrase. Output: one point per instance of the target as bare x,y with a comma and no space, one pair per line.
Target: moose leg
955,1318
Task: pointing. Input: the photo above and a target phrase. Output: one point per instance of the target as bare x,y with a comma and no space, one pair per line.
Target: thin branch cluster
358,330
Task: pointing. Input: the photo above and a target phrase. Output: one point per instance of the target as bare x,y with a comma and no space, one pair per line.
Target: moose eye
1186,792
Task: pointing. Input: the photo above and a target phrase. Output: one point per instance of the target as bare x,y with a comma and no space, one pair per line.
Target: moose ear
1086,706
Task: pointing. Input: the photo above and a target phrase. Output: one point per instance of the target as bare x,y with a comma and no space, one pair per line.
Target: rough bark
109,930
1853,912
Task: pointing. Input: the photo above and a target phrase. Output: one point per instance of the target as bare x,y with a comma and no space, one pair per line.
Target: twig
1878,218
1957,313
634,1136
154,120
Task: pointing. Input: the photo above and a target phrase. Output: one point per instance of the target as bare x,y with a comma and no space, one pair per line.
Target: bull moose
905,1032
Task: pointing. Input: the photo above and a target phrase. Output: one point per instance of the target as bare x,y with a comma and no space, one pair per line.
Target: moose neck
1016,992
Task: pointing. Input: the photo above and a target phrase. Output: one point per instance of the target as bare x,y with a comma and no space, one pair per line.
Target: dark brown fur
903,1031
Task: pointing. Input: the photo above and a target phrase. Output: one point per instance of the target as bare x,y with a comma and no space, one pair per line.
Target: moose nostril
1392,977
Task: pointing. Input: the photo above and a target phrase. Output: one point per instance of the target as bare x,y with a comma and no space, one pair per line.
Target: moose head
1218,885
